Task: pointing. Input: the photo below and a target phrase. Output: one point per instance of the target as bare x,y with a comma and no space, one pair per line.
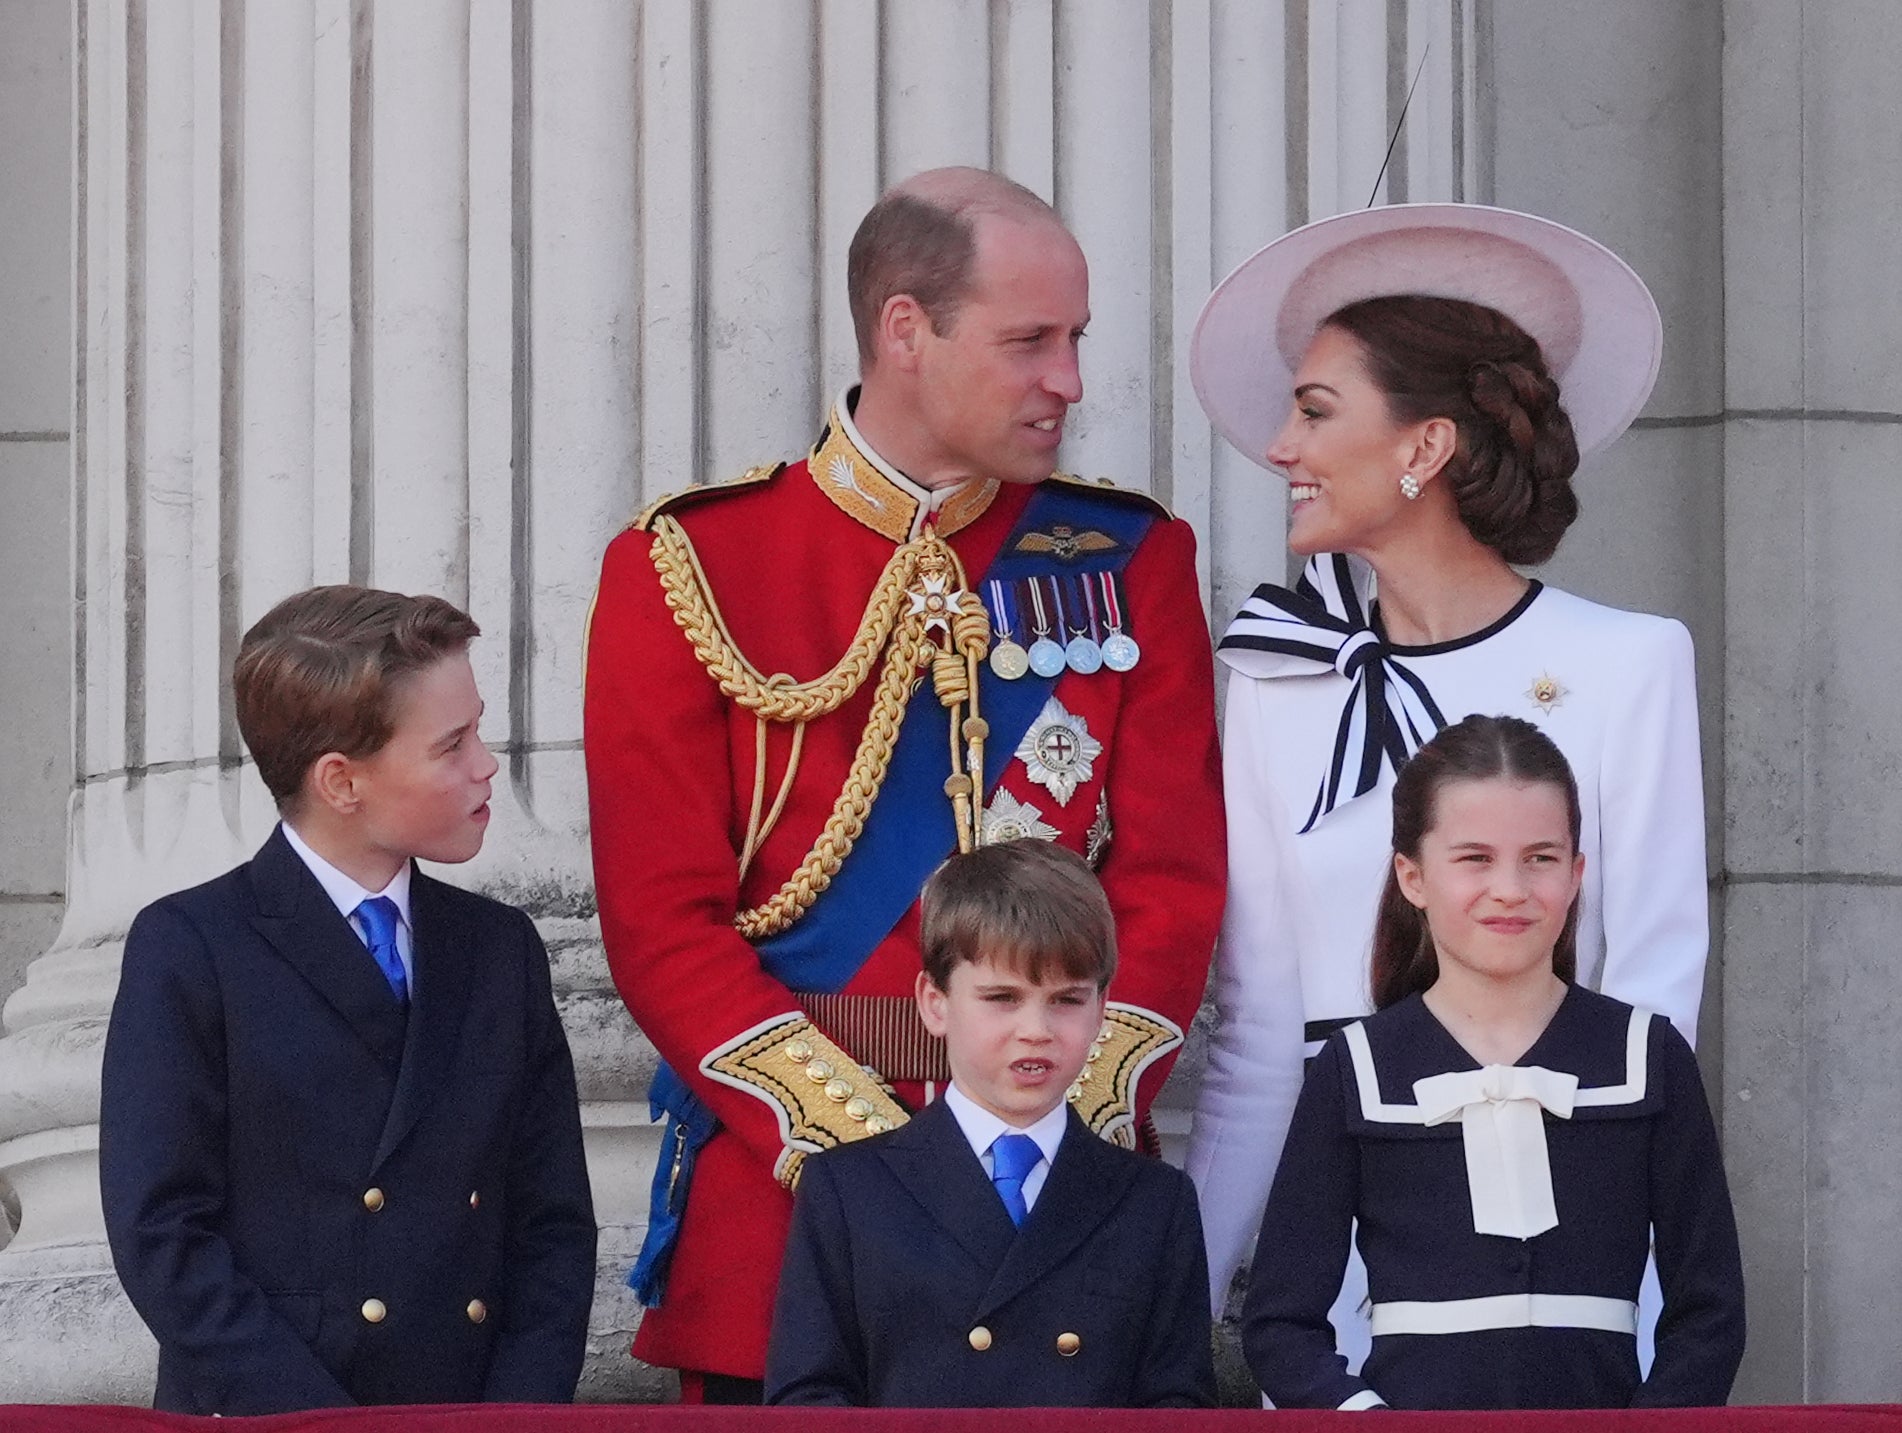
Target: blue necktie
1013,1156
379,916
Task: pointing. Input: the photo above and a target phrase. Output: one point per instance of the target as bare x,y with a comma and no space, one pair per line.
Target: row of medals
1045,656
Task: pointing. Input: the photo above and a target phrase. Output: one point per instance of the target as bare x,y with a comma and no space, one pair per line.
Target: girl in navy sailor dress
1508,1141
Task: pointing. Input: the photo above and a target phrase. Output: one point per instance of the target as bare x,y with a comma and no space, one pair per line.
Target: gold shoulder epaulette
1132,1039
820,1095
673,502
1105,488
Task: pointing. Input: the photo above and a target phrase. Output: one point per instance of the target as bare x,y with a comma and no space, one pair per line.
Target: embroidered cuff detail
1132,1039
820,1095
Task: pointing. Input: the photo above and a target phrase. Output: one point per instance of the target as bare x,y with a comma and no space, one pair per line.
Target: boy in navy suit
339,1145
992,1252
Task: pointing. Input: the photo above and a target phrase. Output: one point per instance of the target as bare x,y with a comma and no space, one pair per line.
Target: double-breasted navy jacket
314,1199
906,1284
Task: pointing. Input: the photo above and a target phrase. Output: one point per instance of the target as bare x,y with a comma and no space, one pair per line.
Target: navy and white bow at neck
1325,624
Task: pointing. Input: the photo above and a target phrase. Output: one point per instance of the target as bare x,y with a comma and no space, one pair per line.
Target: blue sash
908,832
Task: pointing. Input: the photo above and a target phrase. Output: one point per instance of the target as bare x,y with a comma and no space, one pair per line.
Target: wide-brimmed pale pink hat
1594,319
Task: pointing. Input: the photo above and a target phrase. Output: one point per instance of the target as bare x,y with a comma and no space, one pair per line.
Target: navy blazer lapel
440,953
302,925
1086,1181
933,1160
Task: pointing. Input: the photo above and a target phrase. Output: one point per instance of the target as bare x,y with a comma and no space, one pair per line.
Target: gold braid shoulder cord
920,614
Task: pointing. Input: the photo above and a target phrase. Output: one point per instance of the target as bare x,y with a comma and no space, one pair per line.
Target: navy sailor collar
1602,1041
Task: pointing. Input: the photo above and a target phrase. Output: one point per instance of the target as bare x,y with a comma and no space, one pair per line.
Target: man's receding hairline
964,192
965,185
923,239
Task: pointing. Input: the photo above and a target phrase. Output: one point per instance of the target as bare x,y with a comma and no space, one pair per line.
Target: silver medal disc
1046,657
1120,652
1084,656
1009,660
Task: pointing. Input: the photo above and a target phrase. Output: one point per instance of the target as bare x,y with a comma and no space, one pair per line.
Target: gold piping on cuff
1131,1040
820,1094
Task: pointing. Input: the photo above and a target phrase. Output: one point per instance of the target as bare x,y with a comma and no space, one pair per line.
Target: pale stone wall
1813,743
36,770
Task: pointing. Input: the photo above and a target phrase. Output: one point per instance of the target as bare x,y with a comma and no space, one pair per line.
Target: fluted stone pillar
305,246
435,294
1812,1090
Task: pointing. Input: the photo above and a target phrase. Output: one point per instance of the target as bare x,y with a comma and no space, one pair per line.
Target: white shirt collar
344,892
929,500
982,1128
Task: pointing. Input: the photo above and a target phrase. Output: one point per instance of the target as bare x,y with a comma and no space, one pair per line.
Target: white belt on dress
1506,1311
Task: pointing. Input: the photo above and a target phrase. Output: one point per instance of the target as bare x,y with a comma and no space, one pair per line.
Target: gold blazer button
475,1198
373,1311
477,1311
373,1199
980,1338
1068,1344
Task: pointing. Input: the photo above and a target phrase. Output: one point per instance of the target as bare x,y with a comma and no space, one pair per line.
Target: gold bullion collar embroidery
871,491
1131,1040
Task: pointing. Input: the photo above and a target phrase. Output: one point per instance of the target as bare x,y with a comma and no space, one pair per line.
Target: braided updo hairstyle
1511,472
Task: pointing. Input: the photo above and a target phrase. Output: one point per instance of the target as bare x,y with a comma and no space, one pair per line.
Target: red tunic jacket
791,560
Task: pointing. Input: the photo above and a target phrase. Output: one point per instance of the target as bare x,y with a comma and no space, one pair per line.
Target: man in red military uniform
808,686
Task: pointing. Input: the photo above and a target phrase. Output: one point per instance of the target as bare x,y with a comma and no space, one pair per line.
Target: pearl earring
1409,486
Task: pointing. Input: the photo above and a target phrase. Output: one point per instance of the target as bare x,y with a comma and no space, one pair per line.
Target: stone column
305,246
1812,1089
436,294
35,456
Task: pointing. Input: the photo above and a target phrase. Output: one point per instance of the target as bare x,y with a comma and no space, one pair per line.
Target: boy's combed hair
1034,906
321,670
1480,748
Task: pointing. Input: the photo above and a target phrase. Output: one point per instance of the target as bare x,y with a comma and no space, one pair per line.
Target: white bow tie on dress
1501,1114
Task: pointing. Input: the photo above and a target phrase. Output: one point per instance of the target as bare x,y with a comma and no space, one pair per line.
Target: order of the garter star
1059,752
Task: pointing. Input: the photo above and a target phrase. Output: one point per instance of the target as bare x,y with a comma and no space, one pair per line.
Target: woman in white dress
1425,377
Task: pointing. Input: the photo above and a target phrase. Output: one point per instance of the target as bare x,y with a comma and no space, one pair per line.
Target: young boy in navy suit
992,1252
339,1145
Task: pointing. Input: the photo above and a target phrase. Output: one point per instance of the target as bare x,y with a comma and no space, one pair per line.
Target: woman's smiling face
1341,451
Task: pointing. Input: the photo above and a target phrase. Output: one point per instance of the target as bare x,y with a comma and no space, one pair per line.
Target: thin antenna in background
1405,105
